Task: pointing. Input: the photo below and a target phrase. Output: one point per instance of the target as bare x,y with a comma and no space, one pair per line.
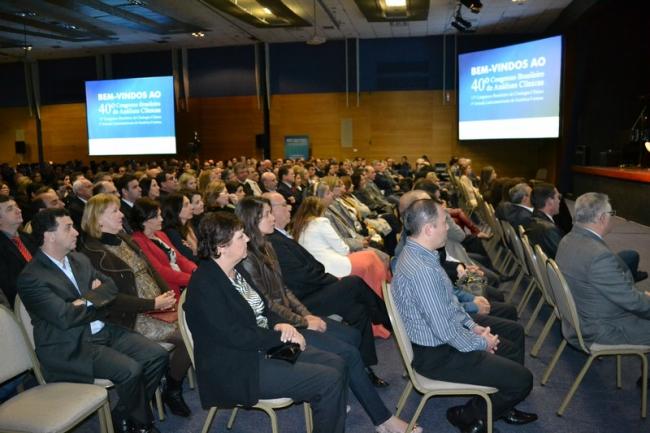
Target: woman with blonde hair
217,198
142,291
187,181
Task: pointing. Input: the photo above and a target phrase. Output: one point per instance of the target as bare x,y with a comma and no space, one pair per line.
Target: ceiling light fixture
198,34
395,3
316,39
460,23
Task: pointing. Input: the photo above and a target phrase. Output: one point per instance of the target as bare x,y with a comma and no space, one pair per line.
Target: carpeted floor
597,407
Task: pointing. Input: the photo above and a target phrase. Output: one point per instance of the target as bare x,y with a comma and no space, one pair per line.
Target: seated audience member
187,181
611,309
316,234
348,229
82,190
286,187
167,182
447,344
470,192
177,214
323,293
67,300
5,189
171,265
519,210
105,187
235,191
16,247
487,178
216,198
241,174
269,182
541,230
262,266
141,289
130,191
198,208
372,190
150,188
233,329
44,198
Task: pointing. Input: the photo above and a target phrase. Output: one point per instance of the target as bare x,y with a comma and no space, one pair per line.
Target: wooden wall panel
12,119
65,134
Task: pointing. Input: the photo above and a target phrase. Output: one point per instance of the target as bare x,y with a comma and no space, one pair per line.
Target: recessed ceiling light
198,34
267,11
396,3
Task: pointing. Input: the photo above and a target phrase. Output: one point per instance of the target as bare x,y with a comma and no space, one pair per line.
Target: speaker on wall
21,148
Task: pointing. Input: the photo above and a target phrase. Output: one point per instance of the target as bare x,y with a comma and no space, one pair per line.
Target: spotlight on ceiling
460,23
473,5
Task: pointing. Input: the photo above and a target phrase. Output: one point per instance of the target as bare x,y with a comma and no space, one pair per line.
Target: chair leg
159,404
576,384
488,407
402,399
644,385
533,317
274,419
418,411
551,366
191,378
619,381
101,415
542,337
309,421
231,420
528,293
108,417
208,419
515,286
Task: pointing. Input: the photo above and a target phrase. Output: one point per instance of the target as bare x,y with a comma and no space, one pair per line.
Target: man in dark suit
16,247
130,191
286,187
541,230
323,293
82,190
611,309
241,172
66,299
518,211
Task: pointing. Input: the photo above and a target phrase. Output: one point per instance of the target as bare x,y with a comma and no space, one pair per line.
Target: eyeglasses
611,213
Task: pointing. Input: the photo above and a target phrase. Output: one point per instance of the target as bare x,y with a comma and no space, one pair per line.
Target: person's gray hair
78,184
518,192
418,214
409,197
590,206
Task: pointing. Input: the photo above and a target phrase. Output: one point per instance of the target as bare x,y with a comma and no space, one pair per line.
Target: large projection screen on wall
133,116
510,92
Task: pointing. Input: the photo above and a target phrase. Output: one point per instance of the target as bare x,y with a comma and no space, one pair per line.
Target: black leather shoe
172,396
455,418
122,425
146,428
640,276
518,417
376,380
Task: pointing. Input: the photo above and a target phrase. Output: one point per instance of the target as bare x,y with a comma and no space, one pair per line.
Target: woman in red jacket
173,267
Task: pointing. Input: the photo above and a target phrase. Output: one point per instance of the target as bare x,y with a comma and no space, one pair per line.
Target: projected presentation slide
510,92
131,117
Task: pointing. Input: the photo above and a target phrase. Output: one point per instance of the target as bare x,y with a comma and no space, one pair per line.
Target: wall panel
12,119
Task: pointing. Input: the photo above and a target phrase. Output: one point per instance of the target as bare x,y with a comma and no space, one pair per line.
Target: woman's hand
165,301
315,323
290,334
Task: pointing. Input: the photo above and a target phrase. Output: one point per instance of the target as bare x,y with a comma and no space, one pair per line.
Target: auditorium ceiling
41,29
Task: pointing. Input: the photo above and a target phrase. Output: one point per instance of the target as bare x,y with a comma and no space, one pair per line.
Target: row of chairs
544,275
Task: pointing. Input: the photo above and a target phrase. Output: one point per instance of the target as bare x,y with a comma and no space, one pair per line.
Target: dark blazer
515,215
177,240
543,232
61,329
227,340
127,211
12,262
302,273
76,208
127,304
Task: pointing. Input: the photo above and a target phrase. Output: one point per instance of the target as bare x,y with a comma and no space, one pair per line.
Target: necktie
22,248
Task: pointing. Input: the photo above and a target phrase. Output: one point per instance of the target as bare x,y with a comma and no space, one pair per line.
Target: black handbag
286,352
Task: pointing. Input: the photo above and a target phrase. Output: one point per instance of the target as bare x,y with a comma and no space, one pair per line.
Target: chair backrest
15,356
185,330
25,320
531,261
521,230
564,303
515,244
540,266
403,341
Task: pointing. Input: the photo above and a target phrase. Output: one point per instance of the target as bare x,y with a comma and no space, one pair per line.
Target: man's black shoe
640,276
377,381
518,417
146,428
455,418
122,425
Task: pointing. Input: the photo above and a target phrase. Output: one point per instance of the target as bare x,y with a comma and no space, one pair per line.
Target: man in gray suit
66,299
611,309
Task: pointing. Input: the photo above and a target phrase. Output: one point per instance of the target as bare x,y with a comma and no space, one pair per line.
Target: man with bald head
269,182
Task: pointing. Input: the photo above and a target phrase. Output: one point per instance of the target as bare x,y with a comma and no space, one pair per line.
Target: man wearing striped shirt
447,344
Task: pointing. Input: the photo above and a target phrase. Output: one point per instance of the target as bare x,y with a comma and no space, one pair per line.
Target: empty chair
540,269
52,407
